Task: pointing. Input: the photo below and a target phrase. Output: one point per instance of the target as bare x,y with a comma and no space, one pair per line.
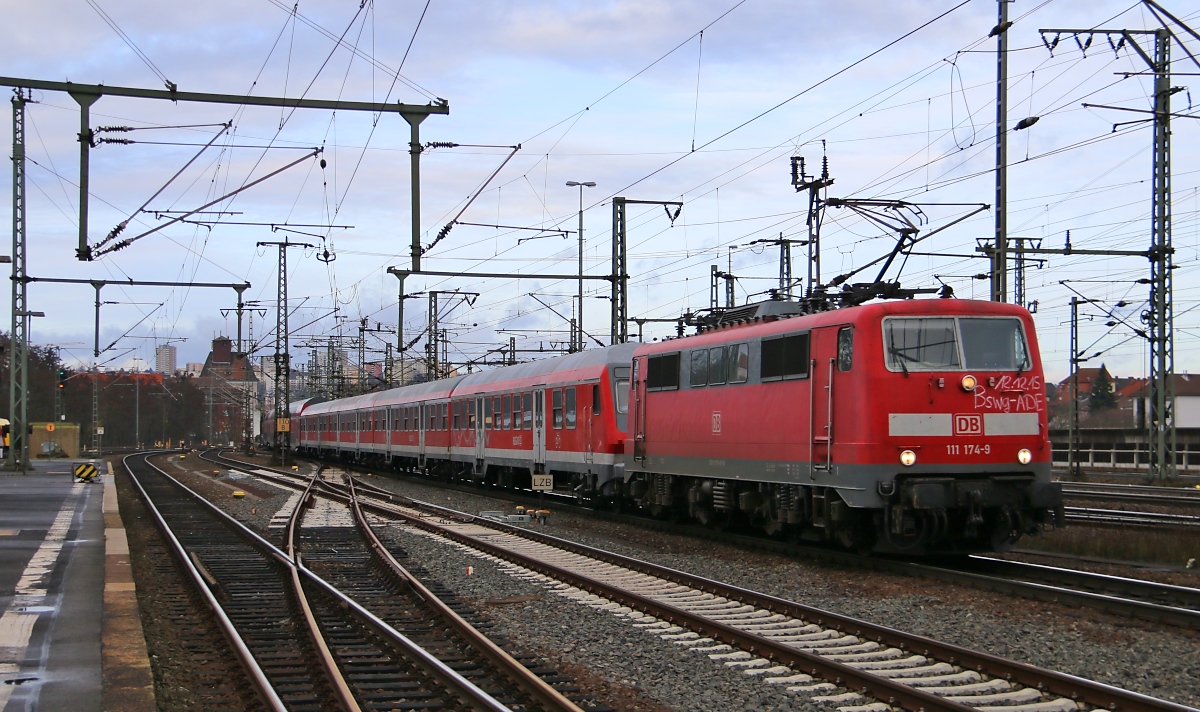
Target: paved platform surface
60,622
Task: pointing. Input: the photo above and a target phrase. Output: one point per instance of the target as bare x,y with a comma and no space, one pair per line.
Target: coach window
570,398
739,362
699,371
456,415
595,399
487,413
498,409
471,414
784,357
845,356
716,366
516,411
445,415
557,407
662,372
507,407
528,410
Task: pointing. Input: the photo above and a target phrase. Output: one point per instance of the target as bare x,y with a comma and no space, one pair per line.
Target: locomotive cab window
784,357
845,348
955,344
994,344
662,372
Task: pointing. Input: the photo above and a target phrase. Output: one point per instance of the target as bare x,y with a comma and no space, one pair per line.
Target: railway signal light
62,378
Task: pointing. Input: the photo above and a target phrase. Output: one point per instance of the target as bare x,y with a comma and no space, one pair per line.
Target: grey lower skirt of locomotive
926,514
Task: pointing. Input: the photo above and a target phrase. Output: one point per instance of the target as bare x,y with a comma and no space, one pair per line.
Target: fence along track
293,680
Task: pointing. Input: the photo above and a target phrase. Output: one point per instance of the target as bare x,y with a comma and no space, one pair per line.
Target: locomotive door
480,435
823,359
639,412
539,429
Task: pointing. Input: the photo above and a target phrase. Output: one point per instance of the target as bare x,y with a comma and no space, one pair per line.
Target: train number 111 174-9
968,449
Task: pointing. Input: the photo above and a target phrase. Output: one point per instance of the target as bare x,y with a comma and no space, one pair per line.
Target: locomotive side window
528,410
557,407
699,371
919,344
784,357
570,406
596,399
845,348
993,344
716,366
662,372
739,362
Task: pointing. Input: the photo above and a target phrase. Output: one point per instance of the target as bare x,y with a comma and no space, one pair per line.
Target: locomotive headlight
907,458
969,382
1024,456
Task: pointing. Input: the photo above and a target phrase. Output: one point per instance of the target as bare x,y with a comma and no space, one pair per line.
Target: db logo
716,423
968,424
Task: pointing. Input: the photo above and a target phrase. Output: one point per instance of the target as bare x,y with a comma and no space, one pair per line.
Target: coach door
480,432
539,429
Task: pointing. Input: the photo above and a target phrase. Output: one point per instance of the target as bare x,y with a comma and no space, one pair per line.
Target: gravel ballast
1143,657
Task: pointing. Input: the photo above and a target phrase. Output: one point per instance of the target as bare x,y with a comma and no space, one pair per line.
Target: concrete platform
70,636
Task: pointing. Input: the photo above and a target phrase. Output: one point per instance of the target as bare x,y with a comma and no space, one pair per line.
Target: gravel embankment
1143,657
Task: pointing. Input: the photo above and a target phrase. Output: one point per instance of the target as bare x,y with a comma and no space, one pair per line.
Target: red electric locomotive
912,426
902,426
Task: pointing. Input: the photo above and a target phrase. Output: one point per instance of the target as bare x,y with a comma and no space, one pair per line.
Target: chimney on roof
222,350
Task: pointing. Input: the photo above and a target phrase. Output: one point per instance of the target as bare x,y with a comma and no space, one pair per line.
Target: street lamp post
577,332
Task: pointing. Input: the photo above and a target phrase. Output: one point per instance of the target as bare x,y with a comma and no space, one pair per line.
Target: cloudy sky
701,102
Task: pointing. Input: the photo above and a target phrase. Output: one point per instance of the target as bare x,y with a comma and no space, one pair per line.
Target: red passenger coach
896,426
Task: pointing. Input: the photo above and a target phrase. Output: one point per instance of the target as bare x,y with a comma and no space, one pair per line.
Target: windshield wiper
901,357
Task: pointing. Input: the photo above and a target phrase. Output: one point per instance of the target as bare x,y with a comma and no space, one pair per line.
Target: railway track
1121,596
1128,518
785,643
303,644
1142,494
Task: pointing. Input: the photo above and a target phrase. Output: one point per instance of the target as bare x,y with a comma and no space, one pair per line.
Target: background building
164,359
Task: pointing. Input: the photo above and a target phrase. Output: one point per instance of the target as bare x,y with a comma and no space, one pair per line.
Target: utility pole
283,426
431,338
814,185
1000,256
1159,319
18,358
620,262
577,343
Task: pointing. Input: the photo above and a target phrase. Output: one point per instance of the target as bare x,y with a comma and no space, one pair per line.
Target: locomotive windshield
955,343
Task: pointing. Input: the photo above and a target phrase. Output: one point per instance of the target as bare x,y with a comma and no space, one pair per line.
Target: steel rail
537,688
1063,684
340,687
1147,589
258,679
1059,683
455,683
